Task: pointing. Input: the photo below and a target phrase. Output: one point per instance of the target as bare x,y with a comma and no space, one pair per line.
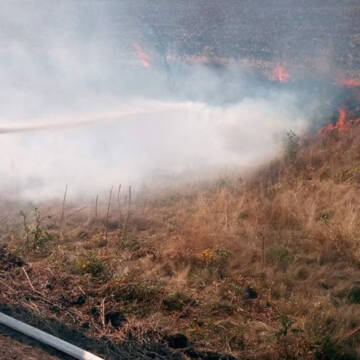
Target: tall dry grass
265,268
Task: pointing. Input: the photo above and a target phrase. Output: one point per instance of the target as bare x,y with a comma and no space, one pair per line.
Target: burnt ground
57,315
314,35
14,346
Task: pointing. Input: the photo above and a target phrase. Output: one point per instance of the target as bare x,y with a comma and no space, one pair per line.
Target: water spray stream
149,109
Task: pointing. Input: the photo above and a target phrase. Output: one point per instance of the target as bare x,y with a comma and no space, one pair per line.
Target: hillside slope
262,268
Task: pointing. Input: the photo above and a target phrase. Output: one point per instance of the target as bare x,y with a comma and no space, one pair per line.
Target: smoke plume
96,93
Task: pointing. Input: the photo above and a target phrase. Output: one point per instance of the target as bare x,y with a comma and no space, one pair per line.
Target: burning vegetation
143,56
263,264
262,267
349,109
280,74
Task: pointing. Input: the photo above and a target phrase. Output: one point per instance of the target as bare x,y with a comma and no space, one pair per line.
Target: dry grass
262,269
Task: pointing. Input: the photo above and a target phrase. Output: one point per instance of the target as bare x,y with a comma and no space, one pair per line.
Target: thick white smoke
162,138
74,63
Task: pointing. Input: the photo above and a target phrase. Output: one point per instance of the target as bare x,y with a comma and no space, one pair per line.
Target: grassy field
261,267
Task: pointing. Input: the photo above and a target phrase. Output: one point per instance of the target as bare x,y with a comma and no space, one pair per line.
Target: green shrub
129,242
90,264
177,302
348,174
233,291
221,308
291,146
280,256
354,295
327,349
325,216
36,238
141,292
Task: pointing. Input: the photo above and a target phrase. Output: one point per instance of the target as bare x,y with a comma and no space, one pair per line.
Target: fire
348,82
281,74
340,125
341,119
144,57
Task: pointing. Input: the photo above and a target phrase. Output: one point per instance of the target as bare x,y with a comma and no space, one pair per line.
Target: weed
222,254
142,297
280,256
221,308
289,338
36,239
207,256
214,261
177,301
354,295
129,242
327,349
231,290
286,324
325,216
348,174
26,228
99,240
90,264
243,215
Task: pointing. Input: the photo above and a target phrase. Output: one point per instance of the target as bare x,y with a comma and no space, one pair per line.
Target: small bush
130,242
348,174
214,261
234,291
140,296
327,349
354,295
177,302
325,216
99,241
280,256
90,264
221,308
36,238
291,146
243,215
39,239
207,256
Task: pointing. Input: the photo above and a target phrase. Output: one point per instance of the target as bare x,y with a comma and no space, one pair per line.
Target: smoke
73,71
165,138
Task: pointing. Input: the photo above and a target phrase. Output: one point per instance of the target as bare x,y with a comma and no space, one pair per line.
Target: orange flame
348,82
144,57
281,74
341,119
340,125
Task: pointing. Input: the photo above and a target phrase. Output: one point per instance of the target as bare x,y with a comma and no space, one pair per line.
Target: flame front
144,57
340,125
280,74
348,82
341,119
